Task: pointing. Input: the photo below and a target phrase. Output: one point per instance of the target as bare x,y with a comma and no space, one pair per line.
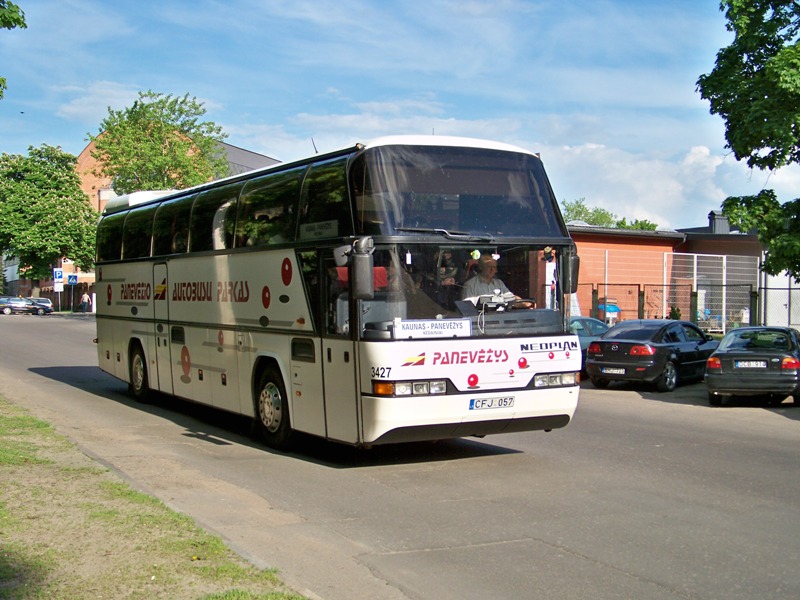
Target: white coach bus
325,295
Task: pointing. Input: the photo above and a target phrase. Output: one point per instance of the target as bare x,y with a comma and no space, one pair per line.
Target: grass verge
72,529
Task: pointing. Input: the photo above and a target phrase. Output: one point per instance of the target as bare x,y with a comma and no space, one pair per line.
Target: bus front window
423,282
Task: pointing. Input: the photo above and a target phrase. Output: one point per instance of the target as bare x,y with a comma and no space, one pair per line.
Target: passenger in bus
447,290
486,284
178,245
399,280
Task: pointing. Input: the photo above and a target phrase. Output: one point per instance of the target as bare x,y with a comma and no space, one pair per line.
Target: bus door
339,358
162,378
341,395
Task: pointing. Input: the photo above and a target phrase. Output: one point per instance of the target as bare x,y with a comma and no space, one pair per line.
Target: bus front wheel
272,410
138,385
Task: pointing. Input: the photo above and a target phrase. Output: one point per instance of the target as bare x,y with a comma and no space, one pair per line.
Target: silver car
587,329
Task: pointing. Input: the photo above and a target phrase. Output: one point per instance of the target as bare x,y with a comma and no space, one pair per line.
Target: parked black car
755,361
11,304
656,351
45,305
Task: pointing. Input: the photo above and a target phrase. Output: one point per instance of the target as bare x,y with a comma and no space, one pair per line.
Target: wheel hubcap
669,376
138,372
270,407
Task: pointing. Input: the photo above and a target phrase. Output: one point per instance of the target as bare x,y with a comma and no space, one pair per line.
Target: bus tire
272,410
139,386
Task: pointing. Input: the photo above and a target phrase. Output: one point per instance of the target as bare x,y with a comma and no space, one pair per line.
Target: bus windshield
488,290
459,191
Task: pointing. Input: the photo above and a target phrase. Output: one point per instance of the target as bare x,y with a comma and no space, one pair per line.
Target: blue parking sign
58,275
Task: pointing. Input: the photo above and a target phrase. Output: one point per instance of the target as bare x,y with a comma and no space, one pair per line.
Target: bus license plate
484,403
751,364
612,371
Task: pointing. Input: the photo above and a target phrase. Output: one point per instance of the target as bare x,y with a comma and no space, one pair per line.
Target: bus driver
486,284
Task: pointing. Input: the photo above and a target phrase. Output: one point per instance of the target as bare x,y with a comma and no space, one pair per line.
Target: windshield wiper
452,235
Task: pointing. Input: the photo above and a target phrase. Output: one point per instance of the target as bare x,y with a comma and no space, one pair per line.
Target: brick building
627,273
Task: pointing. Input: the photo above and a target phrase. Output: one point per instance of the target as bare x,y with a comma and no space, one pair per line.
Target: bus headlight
555,379
438,387
409,388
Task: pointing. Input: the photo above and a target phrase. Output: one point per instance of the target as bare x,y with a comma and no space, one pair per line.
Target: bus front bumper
423,418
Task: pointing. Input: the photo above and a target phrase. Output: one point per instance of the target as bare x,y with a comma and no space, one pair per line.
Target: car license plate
484,403
751,364
612,371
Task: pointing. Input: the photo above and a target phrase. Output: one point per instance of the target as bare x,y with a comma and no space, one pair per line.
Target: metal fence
779,306
719,292
717,310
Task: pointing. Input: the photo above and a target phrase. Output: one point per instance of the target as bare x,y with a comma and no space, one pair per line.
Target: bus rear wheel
272,410
138,386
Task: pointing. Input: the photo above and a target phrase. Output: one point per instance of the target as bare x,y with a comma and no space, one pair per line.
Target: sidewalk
72,314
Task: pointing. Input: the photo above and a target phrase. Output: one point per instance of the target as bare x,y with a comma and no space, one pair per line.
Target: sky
604,90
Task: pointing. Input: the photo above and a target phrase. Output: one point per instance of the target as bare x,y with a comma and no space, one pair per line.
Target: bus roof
125,201
134,198
442,140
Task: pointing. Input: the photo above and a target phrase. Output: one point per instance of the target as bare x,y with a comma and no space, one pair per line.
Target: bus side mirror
361,274
573,266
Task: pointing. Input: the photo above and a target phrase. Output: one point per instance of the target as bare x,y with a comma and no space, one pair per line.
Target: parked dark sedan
656,351
755,361
45,305
9,305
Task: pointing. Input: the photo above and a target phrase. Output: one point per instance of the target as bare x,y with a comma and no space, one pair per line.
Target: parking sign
58,275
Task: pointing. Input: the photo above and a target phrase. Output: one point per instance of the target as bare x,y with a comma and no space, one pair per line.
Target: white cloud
739,180
89,105
669,193
425,103
60,36
292,139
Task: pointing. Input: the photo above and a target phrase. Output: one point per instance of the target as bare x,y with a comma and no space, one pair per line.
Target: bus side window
171,227
109,238
137,234
309,269
325,202
335,289
213,219
268,209
374,211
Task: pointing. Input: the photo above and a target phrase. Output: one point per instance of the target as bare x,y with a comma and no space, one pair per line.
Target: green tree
159,143
578,211
778,227
44,214
11,17
755,88
600,217
636,224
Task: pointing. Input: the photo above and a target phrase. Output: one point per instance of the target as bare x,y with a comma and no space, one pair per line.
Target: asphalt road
643,495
